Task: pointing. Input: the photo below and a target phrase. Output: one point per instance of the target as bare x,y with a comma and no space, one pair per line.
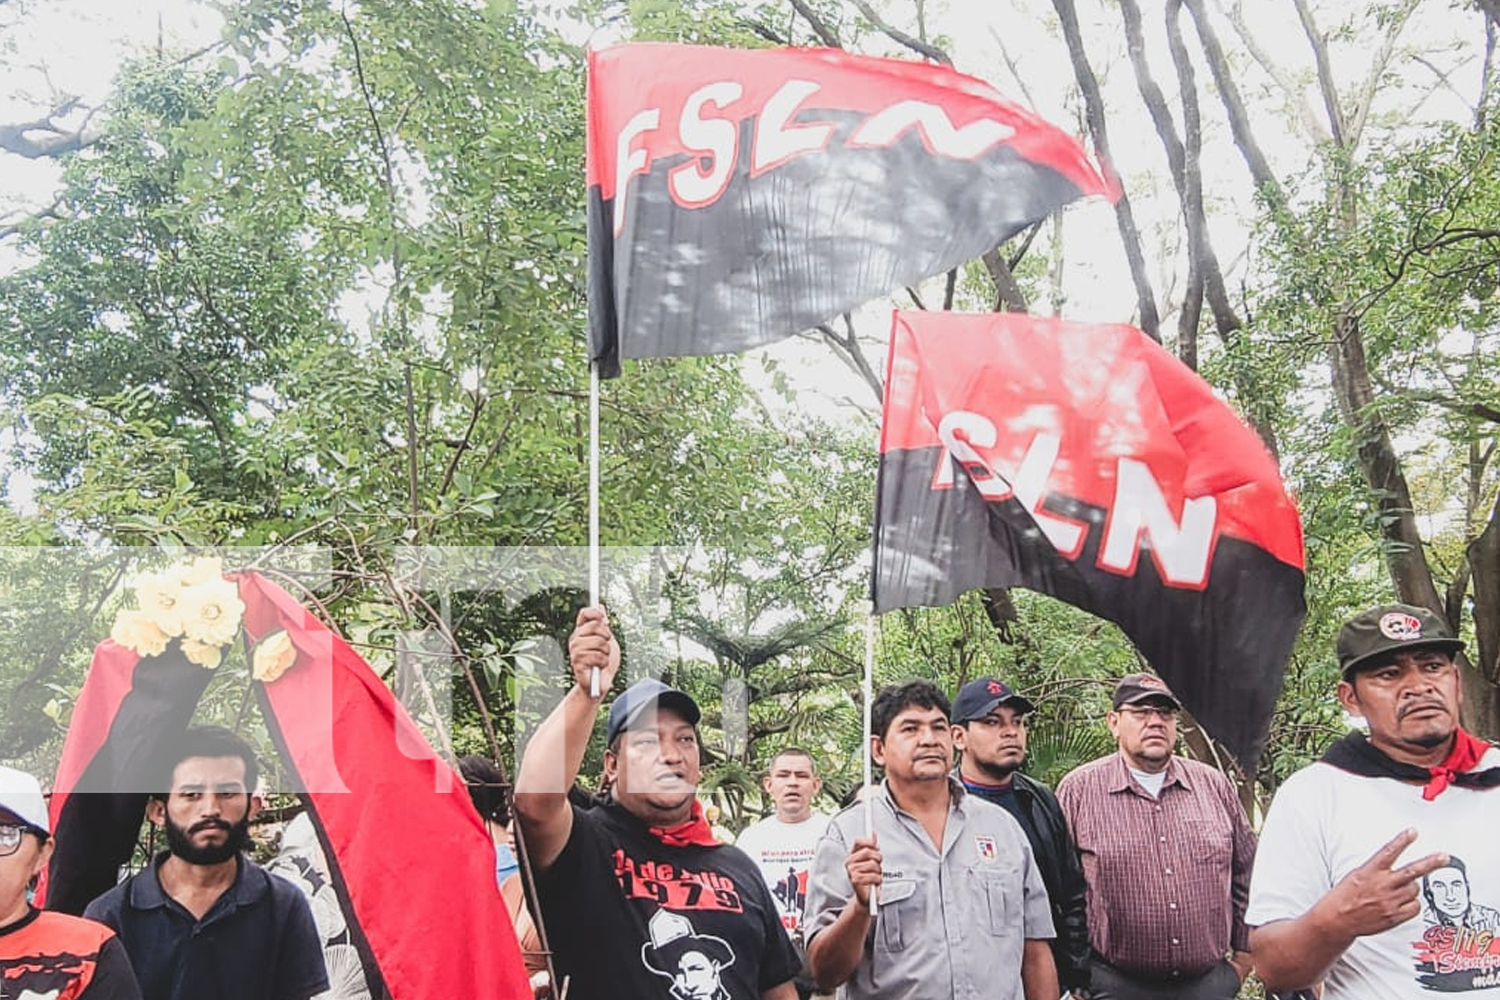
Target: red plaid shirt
1168,878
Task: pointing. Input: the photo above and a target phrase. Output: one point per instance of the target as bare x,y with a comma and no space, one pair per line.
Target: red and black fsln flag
738,197
412,862
1086,462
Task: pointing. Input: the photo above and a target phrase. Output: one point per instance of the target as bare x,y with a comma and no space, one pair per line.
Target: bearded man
203,920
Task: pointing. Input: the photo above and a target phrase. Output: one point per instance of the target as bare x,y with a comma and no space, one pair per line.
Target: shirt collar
957,775
1121,781
956,794
146,892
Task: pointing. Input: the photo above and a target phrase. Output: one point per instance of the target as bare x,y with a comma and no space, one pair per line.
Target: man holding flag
639,898
960,908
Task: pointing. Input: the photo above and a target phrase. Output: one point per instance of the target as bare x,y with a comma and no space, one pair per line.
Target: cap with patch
21,796
977,699
1136,688
1368,638
646,693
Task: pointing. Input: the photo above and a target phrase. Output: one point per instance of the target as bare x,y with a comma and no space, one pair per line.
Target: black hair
893,699
852,795
792,751
488,788
205,741
1453,862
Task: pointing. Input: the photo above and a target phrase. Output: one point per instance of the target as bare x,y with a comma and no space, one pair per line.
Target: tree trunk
1405,555
1481,697
1130,234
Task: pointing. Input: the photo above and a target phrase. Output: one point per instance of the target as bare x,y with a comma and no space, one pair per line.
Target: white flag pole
869,799
594,505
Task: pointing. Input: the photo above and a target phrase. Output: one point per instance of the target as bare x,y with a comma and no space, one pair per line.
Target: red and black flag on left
737,197
412,863
1086,462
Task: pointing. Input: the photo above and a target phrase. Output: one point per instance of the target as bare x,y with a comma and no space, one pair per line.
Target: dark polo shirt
257,942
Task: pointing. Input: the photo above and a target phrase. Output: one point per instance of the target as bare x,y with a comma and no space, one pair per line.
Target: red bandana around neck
1465,754
694,830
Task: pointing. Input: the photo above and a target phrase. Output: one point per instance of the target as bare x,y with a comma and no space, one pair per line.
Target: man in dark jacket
989,727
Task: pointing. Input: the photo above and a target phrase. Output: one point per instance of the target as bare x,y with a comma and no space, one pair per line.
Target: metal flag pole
594,505
869,799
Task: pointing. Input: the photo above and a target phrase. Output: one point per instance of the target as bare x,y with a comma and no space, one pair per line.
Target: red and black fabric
128,709
411,860
407,852
737,197
60,957
1085,462
1357,755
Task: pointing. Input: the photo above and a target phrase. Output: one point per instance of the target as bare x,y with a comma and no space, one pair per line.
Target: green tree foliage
324,285
328,289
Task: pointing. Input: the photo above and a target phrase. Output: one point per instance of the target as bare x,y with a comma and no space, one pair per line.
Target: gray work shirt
951,925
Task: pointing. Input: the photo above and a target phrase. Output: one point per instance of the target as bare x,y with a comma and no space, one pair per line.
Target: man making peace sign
1377,868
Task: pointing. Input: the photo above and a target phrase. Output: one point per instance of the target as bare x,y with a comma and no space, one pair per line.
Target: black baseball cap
1136,688
647,693
979,698
1367,638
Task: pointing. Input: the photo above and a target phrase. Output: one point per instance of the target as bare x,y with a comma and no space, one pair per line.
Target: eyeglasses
10,838
1141,711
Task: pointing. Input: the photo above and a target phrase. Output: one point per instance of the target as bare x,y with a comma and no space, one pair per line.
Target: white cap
21,796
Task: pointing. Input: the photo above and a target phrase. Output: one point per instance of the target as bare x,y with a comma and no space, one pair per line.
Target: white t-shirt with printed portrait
1325,822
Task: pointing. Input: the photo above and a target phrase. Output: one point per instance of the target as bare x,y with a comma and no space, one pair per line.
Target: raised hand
1377,896
592,645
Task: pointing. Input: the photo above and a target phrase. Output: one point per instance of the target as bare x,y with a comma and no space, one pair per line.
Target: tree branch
1015,259
1203,267
1355,122
1326,88
1234,105
1464,407
825,32
1317,130
1008,294
409,407
896,34
1130,234
847,347
44,138
25,219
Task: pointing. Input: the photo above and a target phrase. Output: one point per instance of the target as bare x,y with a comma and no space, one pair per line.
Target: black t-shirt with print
628,916
55,955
